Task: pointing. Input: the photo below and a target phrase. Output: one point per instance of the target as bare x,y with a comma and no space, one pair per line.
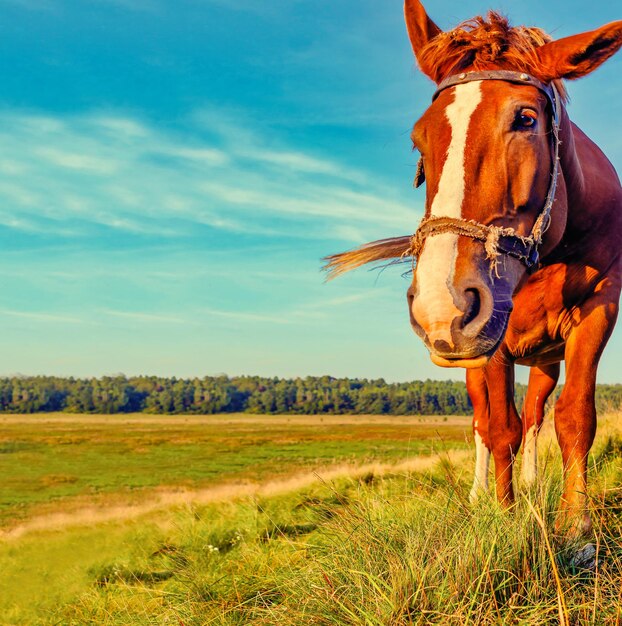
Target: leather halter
497,239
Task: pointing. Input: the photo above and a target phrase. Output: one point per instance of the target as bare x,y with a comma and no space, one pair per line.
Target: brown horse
518,254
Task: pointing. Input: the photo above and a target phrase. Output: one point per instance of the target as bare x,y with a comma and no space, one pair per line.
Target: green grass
47,465
381,549
392,550
42,571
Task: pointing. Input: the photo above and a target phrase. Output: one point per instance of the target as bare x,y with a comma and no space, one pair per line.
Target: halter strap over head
508,76
497,239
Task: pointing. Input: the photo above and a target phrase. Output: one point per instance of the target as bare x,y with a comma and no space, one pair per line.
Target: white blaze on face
529,466
436,265
482,464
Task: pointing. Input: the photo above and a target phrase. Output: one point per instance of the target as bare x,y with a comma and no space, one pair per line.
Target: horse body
510,181
566,310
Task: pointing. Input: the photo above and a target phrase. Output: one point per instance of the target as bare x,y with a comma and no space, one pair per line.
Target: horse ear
576,56
421,30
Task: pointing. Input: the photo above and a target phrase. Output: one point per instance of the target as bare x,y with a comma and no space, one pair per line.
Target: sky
171,174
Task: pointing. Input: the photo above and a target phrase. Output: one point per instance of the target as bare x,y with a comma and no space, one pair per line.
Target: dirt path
165,498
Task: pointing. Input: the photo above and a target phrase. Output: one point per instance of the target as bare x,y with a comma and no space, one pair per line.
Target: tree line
250,394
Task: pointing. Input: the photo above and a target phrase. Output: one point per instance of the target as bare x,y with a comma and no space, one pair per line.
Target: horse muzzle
465,334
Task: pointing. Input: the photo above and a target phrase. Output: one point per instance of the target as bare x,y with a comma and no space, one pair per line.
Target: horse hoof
585,558
573,525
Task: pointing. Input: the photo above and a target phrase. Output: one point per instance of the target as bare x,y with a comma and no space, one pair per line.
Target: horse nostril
442,346
473,306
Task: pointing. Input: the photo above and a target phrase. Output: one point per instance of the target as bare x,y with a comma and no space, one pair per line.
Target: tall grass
395,558
386,551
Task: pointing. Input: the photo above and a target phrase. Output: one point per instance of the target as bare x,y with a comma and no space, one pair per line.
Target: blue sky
171,174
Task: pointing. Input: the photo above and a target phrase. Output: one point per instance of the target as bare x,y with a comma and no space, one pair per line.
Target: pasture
54,461
392,542
59,468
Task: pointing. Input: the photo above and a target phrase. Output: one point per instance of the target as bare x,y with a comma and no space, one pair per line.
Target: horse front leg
504,426
478,392
542,381
575,410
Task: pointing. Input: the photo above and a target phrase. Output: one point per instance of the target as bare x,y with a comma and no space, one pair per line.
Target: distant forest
248,394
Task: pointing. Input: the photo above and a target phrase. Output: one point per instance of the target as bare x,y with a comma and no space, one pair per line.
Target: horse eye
526,119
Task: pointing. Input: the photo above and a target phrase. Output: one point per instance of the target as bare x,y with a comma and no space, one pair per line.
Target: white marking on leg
482,464
529,467
437,263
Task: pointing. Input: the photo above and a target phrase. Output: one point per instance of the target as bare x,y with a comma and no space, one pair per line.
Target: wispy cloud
144,317
79,176
301,314
42,317
77,161
249,317
346,300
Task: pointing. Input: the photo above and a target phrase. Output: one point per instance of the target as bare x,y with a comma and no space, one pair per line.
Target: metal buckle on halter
533,260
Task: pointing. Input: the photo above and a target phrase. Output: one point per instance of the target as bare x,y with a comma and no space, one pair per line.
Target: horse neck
590,179
587,218
569,161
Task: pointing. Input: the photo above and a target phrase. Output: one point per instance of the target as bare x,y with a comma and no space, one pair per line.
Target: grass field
64,461
372,547
61,468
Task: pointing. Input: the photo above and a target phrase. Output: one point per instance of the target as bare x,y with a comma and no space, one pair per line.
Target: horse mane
485,43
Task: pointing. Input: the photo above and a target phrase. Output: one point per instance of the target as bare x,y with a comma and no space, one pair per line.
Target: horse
518,256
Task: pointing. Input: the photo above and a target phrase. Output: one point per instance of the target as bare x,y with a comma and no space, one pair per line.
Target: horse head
490,148
495,190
